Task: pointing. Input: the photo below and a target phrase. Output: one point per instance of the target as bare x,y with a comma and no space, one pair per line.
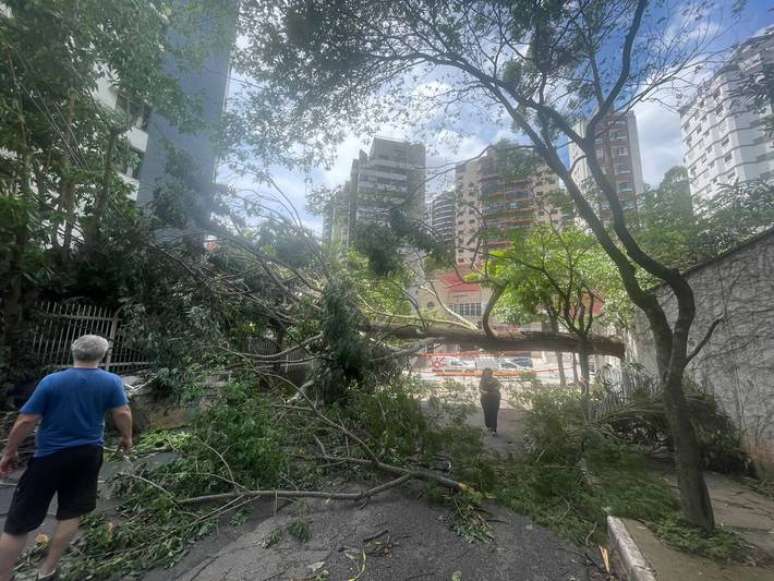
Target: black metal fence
57,325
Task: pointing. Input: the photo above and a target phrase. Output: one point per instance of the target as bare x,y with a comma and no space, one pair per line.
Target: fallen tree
521,340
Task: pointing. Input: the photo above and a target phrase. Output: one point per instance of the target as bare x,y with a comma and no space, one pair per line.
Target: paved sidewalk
737,507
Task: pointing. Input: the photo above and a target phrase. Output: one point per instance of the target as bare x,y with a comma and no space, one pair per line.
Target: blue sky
658,125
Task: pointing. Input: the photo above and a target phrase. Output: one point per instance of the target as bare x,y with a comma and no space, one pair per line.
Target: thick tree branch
520,341
705,340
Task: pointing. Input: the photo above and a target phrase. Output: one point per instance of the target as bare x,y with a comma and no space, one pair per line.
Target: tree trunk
585,378
103,193
559,357
68,182
694,495
562,372
575,370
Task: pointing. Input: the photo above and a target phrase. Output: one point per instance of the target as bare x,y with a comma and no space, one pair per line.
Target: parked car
452,364
508,365
523,361
487,362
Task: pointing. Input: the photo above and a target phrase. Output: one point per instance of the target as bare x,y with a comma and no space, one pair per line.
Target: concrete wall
737,365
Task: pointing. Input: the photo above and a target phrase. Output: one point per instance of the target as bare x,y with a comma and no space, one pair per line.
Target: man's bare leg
63,535
11,547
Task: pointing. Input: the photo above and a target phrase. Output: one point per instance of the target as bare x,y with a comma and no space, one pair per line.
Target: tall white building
108,94
723,132
618,151
442,214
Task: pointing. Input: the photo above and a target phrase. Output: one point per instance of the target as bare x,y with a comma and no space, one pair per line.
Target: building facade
618,151
152,136
442,216
723,132
391,175
493,201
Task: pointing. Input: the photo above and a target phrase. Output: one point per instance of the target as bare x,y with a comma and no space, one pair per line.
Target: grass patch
720,545
552,495
624,485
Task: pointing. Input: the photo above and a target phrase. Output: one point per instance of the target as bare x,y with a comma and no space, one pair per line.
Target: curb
636,568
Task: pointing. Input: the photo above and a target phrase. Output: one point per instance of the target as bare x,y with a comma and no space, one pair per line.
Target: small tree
564,276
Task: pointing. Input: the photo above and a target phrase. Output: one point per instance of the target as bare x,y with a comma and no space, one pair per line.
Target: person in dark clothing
490,398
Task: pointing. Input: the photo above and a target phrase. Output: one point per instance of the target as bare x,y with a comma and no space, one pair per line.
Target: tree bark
585,376
522,340
560,365
68,182
694,495
103,193
559,356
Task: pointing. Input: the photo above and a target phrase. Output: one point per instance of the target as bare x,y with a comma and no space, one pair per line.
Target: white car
513,366
452,364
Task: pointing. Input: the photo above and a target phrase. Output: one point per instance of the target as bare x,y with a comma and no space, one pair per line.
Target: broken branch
299,493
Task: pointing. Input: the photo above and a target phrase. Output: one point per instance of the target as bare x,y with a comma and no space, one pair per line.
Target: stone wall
737,365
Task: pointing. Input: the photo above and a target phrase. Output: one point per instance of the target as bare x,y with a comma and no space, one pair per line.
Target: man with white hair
70,407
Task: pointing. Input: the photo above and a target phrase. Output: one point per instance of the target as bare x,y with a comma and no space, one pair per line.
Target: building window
467,309
620,151
728,157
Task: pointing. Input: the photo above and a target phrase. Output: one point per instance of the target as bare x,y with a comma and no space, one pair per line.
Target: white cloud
660,140
339,171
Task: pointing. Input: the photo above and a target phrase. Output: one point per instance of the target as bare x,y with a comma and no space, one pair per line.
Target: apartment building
618,151
441,217
151,135
723,132
391,175
494,200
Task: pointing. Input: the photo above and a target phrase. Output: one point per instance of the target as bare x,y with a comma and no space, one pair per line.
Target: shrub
554,425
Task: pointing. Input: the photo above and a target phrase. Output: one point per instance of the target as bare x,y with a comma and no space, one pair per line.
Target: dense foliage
683,231
67,225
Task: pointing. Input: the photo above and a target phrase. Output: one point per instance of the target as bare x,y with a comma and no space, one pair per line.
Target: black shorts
70,473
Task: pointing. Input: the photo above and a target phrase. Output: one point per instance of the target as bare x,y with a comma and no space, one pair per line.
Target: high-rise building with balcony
494,199
618,152
724,135
390,176
442,215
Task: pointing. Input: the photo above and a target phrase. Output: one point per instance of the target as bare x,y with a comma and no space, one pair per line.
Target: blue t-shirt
73,403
